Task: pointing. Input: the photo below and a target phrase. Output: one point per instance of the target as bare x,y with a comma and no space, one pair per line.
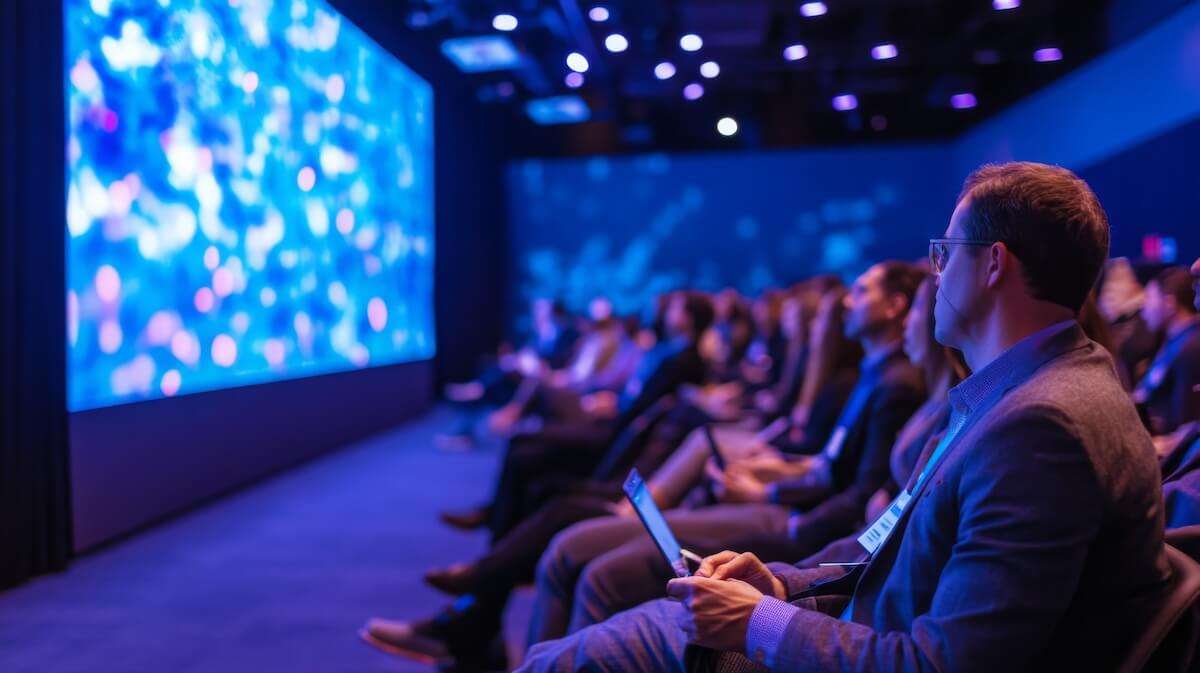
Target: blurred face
600,309
1156,311
678,320
916,329
958,285
791,318
867,305
1196,280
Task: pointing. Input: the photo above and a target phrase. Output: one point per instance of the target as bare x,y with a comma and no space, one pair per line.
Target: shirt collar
969,395
874,362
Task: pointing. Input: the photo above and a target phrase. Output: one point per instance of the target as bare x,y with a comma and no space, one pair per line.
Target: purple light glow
885,51
693,91
1048,54
1001,5
598,14
811,9
795,52
574,80
844,102
664,70
962,101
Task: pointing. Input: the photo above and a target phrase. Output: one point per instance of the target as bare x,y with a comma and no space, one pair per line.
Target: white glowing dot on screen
170,382
616,43
335,88
884,52
577,62
693,91
224,350
359,355
811,9
306,179
727,126
267,297
273,351
345,220
795,52
110,336
337,293
377,314
212,258
664,70
120,200
573,80
222,282
710,69
84,76
598,14
303,325
691,42
204,300
250,82
504,22
108,284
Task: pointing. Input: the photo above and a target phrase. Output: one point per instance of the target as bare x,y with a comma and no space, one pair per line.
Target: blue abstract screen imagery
250,197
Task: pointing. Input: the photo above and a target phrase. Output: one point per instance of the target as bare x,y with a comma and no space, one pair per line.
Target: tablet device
712,447
656,525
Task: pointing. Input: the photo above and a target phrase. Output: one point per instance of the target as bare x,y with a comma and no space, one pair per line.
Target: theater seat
1168,643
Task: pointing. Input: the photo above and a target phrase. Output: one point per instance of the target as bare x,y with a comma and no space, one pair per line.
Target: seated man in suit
1032,537
1170,390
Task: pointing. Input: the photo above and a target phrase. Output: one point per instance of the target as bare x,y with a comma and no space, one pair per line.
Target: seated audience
1169,391
1031,539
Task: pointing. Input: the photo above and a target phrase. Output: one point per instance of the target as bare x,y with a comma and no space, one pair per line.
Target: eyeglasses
939,250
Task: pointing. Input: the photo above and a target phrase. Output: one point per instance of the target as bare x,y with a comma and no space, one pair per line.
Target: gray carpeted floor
277,577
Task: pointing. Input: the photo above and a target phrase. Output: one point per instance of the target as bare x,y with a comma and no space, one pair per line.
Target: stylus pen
694,558
843,564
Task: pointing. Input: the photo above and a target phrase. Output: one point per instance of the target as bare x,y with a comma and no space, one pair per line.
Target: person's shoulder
900,376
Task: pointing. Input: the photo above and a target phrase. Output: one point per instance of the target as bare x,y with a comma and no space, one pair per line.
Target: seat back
1149,651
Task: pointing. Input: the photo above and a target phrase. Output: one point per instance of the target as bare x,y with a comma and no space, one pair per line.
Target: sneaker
412,640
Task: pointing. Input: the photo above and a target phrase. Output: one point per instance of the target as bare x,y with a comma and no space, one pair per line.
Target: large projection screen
250,198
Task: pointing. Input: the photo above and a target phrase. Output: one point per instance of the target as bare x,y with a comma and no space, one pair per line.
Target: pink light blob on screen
224,350
109,121
204,300
120,199
250,82
108,284
161,328
222,282
212,258
306,179
345,220
377,314
185,347
170,382
110,336
274,351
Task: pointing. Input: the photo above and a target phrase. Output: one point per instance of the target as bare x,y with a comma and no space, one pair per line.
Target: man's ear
1000,264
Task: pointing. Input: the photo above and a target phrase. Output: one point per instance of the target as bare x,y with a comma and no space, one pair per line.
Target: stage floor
276,577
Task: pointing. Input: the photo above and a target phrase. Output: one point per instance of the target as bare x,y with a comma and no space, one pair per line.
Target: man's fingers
711,563
739,566
679,588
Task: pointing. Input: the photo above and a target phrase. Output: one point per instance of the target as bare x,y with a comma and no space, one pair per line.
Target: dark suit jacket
862,465
1036,543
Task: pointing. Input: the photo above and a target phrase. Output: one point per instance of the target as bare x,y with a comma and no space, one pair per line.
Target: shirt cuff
765,633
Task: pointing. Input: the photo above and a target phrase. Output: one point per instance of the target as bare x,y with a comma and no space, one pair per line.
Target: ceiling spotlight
616,43
710,69
1047,54
844,102
598,14
574,80
505,22
691,42
795,52
693,91
1001,5
664,70
885,51
962,101
577,62
727,126
811,9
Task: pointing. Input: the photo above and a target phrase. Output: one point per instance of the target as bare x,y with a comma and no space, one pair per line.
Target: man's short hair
699,308
902,278
1048,218
1177,282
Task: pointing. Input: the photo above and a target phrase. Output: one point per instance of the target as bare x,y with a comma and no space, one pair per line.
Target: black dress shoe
412,640
454,580
470,520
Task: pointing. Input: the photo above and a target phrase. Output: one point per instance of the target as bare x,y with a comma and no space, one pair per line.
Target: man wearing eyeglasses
1030,537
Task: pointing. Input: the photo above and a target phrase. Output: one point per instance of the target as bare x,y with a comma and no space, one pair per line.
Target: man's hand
747,567
718,611
735,486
